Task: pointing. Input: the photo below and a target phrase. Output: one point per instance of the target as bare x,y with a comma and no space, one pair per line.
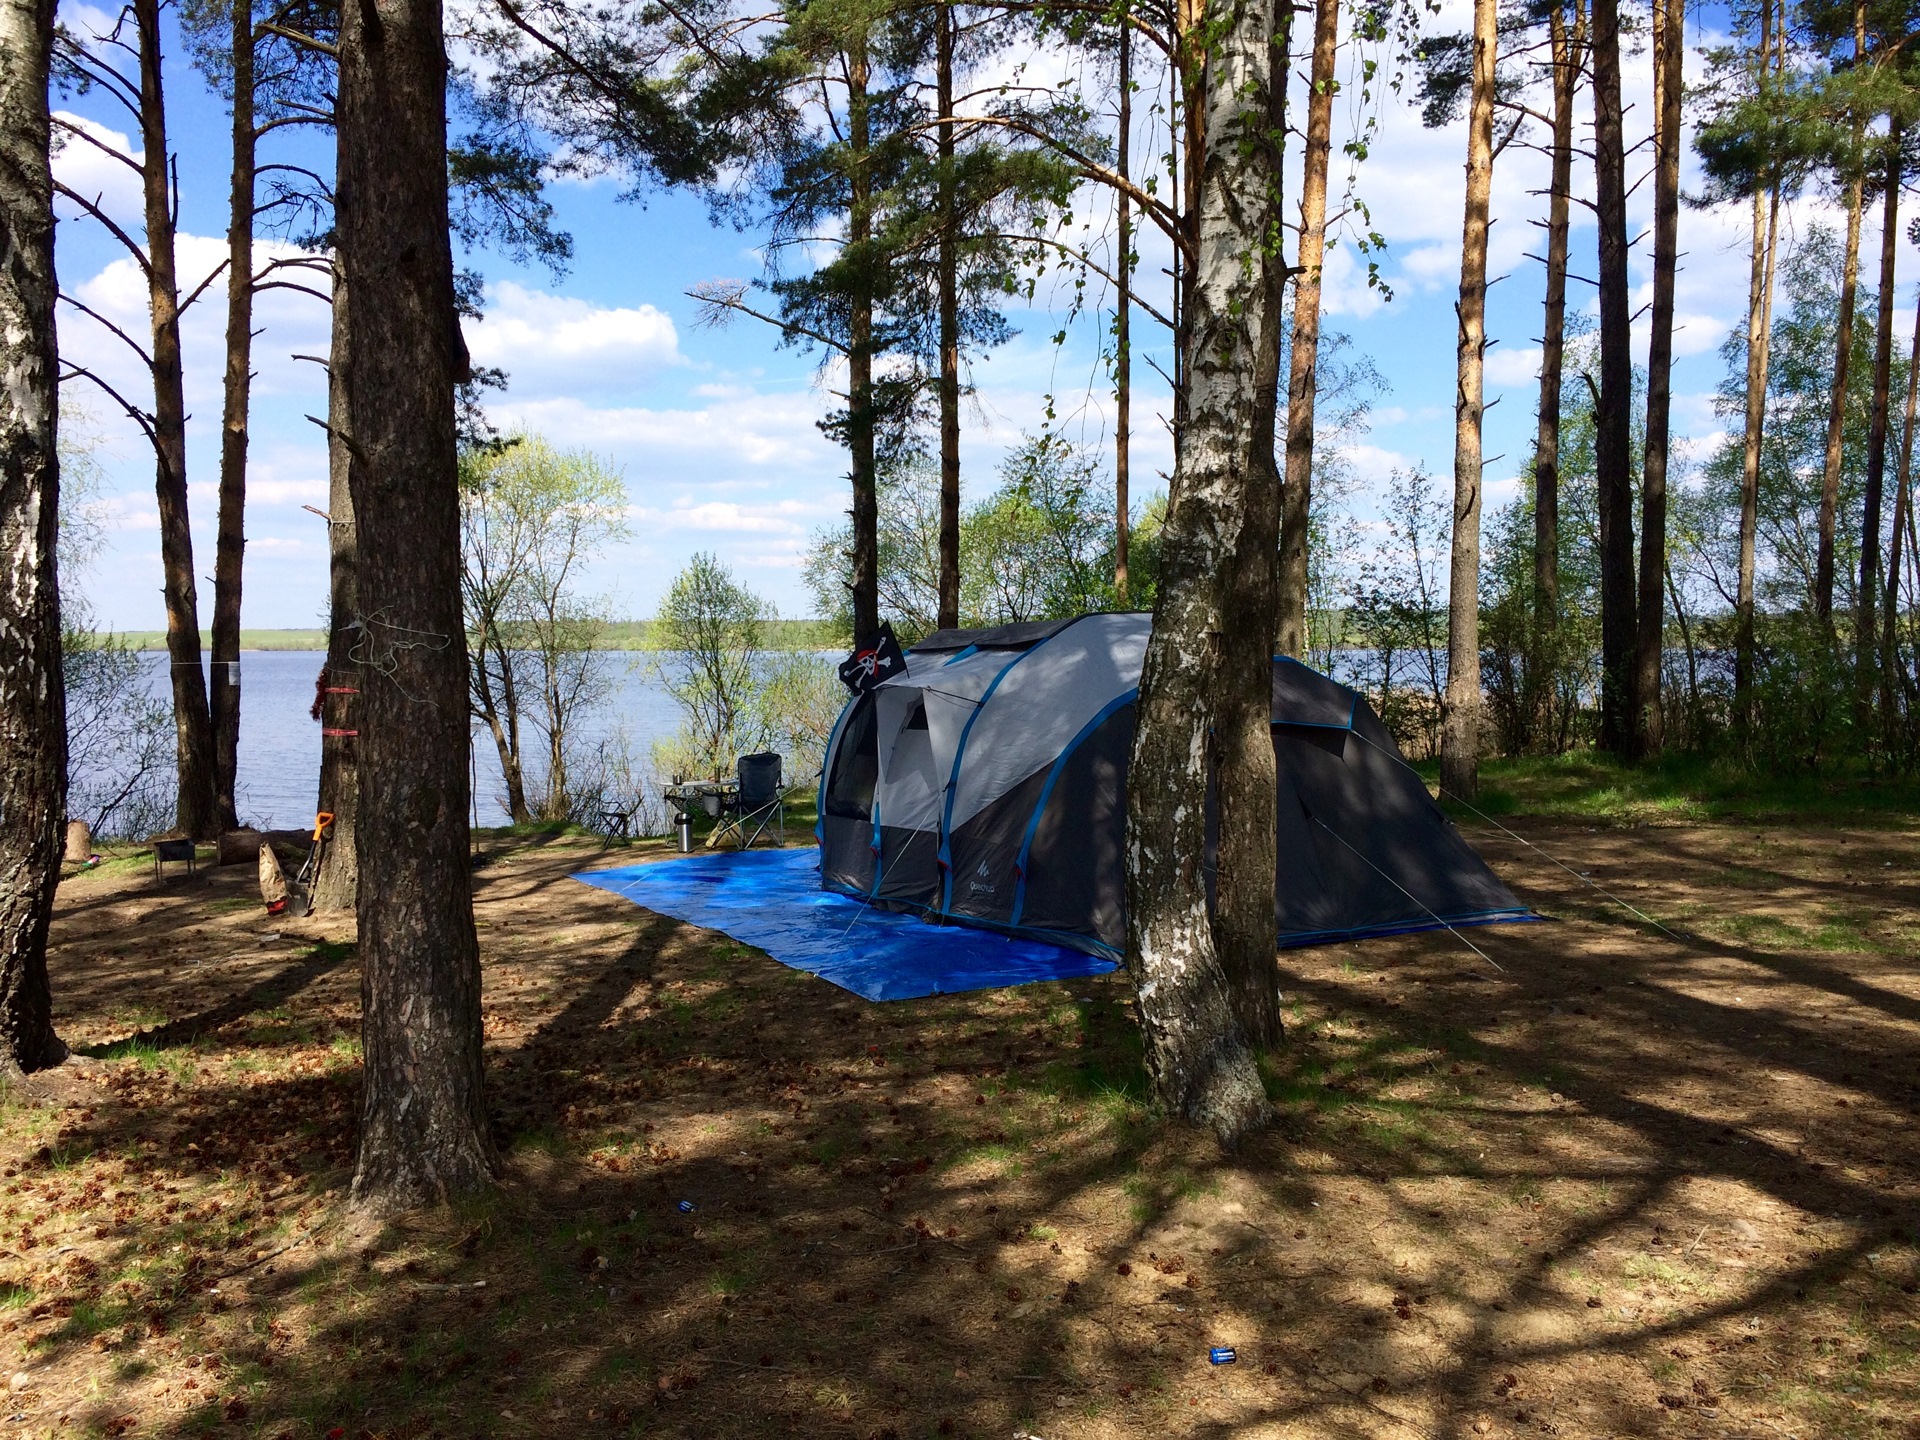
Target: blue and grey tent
986,785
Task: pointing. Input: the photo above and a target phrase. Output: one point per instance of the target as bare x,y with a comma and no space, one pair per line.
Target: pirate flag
864,669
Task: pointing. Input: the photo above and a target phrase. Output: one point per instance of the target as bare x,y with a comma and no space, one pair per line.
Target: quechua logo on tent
864,669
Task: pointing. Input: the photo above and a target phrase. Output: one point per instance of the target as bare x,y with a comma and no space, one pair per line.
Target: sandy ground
1600,1177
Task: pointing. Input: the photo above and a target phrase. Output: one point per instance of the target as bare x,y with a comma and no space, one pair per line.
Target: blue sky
713,430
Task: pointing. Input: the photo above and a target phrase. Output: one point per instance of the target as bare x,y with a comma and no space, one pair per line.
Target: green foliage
1040,546
1397,614
532,518
736,696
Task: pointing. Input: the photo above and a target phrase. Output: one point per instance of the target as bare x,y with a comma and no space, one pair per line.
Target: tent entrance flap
774,901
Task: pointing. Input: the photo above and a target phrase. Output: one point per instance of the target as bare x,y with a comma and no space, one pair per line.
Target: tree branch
133,345
137,415
92,207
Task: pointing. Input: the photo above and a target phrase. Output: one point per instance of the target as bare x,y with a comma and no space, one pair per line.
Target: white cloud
85,163
561,345
1518,366
781,517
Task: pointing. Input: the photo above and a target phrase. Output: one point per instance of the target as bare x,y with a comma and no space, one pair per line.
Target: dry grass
1632,1184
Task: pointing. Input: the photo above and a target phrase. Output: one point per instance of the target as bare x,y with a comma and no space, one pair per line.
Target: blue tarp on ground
771,899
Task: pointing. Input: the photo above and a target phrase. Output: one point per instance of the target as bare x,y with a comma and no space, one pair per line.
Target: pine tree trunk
1123,328
192,720
230,541
1196,1051
1894,683
33,761
860,417
1244,915
423,1129
1669,54
1613,445
1460,738
1865,628
336,887
1296,494
1567,62
1837,407
1823,572
949,339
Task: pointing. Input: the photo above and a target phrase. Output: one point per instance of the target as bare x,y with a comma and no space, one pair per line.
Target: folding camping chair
760,801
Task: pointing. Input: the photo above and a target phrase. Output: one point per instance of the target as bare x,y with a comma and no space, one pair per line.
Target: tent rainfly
986,786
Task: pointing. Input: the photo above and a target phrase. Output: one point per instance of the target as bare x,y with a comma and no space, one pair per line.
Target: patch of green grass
13,1294
1589,786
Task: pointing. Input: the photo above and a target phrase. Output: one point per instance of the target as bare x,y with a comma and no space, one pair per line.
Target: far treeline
613,635
903,192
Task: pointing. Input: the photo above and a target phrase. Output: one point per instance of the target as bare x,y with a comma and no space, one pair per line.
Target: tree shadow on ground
954,1216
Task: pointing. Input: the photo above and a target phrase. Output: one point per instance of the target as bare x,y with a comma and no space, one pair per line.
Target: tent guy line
1545,855
1409,894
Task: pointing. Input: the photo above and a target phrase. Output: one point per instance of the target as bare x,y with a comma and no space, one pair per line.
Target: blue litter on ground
772,900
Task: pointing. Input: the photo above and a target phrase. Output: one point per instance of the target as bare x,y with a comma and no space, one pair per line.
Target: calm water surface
280,746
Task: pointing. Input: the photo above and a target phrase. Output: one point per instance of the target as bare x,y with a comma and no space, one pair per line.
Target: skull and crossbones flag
864,669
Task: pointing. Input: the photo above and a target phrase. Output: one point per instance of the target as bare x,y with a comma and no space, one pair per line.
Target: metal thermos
683,823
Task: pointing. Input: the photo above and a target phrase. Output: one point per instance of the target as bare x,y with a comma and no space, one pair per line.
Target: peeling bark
1296,495
1837,406
1197,1054
1460,737
32,701
423,1131
1243,758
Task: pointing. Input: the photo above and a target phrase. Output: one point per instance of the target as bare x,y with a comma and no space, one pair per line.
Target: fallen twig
293,1244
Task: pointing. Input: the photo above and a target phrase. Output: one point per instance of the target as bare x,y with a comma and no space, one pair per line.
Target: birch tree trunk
1613,446
860,418
1567,63
1296,494
1197,1054
1865,627
230,539
32,700
1766,233
192,721
1837,404
1460,739
423,1131
1669,55
1243,763
336,887
949,336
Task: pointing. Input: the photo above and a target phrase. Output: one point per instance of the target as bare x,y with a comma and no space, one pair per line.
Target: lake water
279,777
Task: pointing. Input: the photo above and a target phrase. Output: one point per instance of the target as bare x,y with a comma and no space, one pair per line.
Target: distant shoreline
621,635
